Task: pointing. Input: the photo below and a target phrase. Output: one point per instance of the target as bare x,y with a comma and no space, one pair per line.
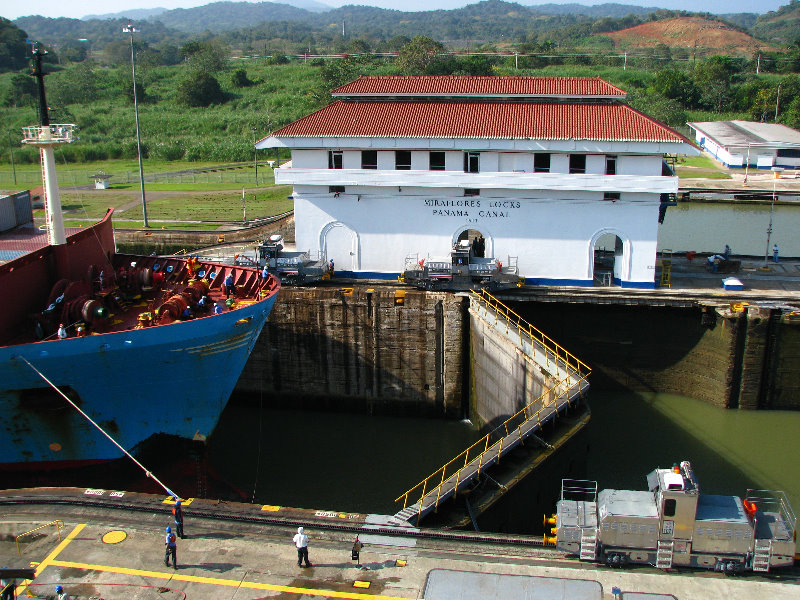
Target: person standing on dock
61,594
775,253
170,548
62,331
355,554
301,542
178,514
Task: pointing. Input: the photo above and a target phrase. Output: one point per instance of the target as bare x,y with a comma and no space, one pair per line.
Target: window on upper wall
541,162
437,161
472,162
472,192
669,507
577,163
402,160
611,165
788,153
369,159
334,159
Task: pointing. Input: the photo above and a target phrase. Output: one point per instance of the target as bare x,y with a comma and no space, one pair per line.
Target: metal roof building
737,144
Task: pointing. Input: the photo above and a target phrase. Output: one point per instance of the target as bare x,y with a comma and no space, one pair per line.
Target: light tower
47,136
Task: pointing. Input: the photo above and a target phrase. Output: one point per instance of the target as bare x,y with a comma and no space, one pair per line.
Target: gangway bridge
568,376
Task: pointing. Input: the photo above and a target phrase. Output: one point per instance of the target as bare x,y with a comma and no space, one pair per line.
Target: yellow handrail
546,399
59,525
485,440
532,332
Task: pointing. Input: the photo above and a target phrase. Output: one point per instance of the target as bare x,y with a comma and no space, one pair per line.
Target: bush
200,89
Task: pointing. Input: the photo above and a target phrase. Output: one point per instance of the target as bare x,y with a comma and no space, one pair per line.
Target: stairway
588,544
664,554
762,555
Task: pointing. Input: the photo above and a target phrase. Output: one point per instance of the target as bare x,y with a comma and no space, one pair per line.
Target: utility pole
777,101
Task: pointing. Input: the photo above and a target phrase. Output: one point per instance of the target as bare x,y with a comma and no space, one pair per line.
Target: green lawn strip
701,174
193,206
140,225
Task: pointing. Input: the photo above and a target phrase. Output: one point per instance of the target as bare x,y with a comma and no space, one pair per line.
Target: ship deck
111,545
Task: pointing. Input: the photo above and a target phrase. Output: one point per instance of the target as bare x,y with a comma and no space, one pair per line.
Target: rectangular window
788,153
369,159
472,162
334,159
611,165
471,192
336,189
402,160
541,162
437,161
669,507
577,163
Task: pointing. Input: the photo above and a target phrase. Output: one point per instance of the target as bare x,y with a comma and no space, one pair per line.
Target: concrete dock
104,544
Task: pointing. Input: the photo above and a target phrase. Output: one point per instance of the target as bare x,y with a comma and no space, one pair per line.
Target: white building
741,143
548,170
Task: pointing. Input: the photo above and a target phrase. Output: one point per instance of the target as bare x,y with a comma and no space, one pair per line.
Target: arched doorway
478,241
607,258
340,244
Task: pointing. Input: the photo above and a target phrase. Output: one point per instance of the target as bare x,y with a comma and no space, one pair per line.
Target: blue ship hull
173,379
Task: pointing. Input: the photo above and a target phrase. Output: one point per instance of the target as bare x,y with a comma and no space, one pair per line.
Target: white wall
551,236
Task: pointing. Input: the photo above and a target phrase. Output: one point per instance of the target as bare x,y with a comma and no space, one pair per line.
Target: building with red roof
557,177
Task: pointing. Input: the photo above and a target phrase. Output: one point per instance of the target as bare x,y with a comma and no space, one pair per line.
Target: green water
360,463
730,450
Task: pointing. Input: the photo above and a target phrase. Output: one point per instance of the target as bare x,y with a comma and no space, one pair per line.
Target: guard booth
101,180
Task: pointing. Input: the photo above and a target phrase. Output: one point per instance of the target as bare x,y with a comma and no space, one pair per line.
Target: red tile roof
459,85
482,120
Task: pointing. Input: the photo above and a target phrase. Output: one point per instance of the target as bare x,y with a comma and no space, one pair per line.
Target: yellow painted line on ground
252,585
52,556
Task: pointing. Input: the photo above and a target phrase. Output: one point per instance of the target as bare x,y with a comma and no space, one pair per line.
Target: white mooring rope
88,418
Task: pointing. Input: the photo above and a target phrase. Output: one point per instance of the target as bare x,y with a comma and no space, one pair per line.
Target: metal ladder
762,555
588,544
664,554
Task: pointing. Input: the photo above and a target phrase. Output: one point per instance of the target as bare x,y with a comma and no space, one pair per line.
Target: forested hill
498,22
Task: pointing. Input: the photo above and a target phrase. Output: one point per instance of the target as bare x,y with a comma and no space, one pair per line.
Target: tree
240,79
417,56
206,56
21,91
12,46
677,85
200,89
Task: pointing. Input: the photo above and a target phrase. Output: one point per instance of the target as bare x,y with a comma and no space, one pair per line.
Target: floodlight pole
255,154
775,174
131,30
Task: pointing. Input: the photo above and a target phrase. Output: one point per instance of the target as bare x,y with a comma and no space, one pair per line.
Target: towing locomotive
673,524
464,270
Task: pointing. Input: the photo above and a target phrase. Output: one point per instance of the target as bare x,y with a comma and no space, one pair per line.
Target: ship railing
60,133
774,501
59,525
579,489
514,324
491,447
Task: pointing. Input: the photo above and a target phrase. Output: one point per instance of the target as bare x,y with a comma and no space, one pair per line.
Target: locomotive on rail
465,269
672,524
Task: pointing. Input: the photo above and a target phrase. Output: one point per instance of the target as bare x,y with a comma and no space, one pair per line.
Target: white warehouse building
552,173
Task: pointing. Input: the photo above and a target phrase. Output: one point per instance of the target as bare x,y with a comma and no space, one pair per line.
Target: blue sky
12,9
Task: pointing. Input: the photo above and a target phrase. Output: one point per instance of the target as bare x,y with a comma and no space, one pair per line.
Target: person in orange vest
177,512
170,548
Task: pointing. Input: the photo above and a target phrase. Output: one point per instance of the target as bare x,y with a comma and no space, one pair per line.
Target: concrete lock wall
361,350
503,380
432,356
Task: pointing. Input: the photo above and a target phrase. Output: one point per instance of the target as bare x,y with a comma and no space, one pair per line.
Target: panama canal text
491,209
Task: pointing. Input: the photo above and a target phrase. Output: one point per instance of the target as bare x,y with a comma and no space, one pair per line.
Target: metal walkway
570,387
